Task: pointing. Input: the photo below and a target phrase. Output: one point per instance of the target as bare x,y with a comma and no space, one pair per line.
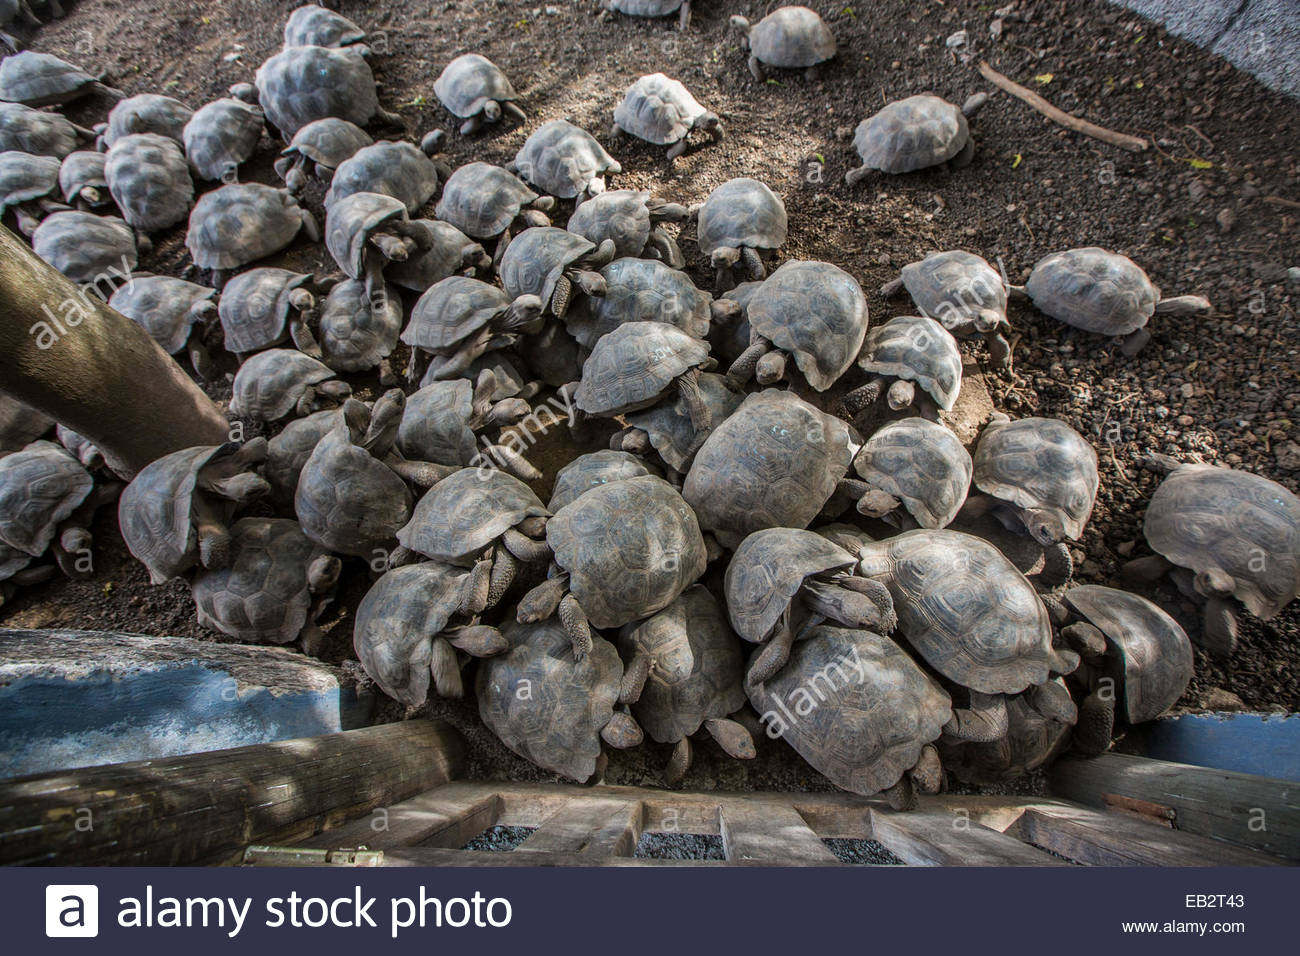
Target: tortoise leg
666,248
214,538
732,737
679,762
1086,639
514,463
422,474
1133,343
774,653
902,795
1058,566
562,296
755,68
854,403
1096,724
525,548
984,721
676,150
477,640
743,369
476,590
575,624
1219,635
622,732
999,349
201,359
471,125
684,18
543,600
688,387
770,368
445,669
634,678
504,569
927,775
754,263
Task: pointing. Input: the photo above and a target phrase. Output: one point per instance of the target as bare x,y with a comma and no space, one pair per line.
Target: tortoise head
492,111
986,320
1044,526
385,417
1213,583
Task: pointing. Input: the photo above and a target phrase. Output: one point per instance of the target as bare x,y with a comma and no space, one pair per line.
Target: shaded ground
1211,209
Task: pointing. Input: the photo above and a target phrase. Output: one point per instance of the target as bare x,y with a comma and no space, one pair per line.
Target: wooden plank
430,819
205,808
430,856
776,835
590,826
936,837
1115,839
1258,812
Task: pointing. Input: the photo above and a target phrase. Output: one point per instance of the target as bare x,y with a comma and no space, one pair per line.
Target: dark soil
1212,209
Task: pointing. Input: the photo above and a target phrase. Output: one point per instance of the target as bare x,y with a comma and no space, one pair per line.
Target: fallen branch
1280,201
1135,144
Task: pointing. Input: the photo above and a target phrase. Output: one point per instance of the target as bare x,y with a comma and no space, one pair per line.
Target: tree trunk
65,352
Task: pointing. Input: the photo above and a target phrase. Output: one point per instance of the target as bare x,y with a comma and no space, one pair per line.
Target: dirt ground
1212,208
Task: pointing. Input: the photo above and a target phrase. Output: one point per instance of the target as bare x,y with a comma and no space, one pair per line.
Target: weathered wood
207,807
775,835
942,838
431,819
592,826
428,856
1259,812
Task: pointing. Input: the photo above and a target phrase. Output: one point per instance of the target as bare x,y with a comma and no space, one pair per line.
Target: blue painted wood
1263,744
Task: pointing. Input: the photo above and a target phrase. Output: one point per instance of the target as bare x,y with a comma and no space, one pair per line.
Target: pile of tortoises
764,526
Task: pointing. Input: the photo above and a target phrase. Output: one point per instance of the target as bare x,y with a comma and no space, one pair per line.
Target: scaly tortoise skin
241,223
923,465
633,366
222,136
564,160
591,471
466,512
396,169
1036,733
915,349
149,179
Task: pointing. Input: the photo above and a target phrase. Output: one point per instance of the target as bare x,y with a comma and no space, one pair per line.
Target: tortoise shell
163,306
451,311
591,471
922,464
774,463
449,250
262,597
41,79
80,169
1039,463
697,669
1093,290
817,313
469,82
741,213
328,141
147,113
916,349
767,571
658,109
312,25
356,331
222,136
954,287
149,179
35,131
85,247
349,223
302,84
630,547
557,723
288,451
622,215
467,511
1154,651
1034,736
965,608
634,365
20,425
646,8
254,307
869,726
24,177
269,384
534,262
792,38
241,223
563,160
435,425
40,486
1210,519
669,423
911,134
641,290
481,200
392,169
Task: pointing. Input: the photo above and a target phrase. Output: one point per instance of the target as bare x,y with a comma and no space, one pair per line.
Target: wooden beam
591,826
429,856
1259,812
939,837
775,835
431,819
206,808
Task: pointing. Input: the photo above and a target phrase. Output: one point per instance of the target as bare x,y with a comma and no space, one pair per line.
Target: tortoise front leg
1096,723
574,619
504,568
927,775
445,670
743,369
665,247
1058,566
756,68
634,678
902,795
854,403
471,125
754,263
676,150
774,653
1219,636
475,595
543,600
679,762
684,18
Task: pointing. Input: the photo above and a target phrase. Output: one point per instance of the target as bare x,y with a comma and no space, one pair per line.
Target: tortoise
789,38
813,312
20,425
81,448
241,223
47,498
1136,660
1040,477
366,231
279,382
652,8
633,221
288,451
645,290
11,11
262,307
145,113
918,473
177,314
555,356
474,89
485,201
564,160
312,25
443,419
42,79
302,84
390,168
738,220
450,252
730,332
459,319
175,512
774,463
1222,534
318,148
971,615
667,428
222,136
856,707
149,179
568,707
963,292
591,471
1039,721
549,263
275,586
1106,293
915,133
82,179
661,111
38,132
622,552
683,672
473,513
781,579
906,352
26,185
86,247
358,333
352,495
410,625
